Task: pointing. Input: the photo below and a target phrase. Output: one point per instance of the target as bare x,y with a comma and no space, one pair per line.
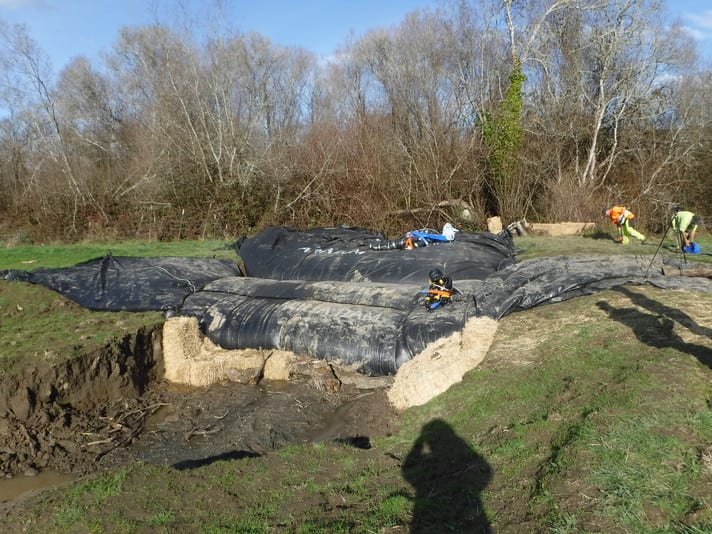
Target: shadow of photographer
448,477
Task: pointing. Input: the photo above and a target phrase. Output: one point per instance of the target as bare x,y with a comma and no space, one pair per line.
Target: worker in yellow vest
685,222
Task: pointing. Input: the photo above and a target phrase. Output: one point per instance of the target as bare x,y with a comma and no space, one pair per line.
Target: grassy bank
33,256
40,324
591,415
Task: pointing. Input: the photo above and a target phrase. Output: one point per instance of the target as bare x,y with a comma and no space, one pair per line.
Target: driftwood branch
201,432
690,270
120,432
453,203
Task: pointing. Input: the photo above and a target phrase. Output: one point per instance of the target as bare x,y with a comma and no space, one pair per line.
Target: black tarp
115,283
537,281
343,253
379,326
375,326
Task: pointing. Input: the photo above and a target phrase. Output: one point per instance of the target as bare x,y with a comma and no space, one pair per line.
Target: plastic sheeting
379,326
553,279
114,283
374,326
343,253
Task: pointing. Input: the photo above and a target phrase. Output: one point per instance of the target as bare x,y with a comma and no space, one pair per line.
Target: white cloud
697,35
701,20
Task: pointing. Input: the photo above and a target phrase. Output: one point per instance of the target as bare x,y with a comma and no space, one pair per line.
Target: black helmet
676,209
435,274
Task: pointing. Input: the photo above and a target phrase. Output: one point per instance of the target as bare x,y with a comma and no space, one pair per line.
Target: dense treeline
548,109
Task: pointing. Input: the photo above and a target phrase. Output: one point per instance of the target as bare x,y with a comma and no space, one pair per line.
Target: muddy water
197,426
339,423
19,487
194,427
227,421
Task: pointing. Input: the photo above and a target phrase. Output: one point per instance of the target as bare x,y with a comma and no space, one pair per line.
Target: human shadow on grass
656,330
661,309
599,235
448,477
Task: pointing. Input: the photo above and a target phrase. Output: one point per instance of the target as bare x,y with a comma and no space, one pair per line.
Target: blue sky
68,28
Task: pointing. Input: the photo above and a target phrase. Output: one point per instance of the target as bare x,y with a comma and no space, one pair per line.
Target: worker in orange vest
622,217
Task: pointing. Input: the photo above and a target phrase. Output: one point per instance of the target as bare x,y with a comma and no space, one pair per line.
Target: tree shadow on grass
200,462
448,477
657,329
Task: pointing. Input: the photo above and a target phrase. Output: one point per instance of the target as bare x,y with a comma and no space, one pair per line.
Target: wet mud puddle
19,487
193,428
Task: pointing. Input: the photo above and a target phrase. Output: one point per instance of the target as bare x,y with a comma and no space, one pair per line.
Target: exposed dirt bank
113,407
51,412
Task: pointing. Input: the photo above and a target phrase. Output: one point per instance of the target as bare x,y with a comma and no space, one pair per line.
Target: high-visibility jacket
684,220
619,214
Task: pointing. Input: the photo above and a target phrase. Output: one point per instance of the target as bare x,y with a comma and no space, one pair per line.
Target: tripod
657,250
680,240
681,243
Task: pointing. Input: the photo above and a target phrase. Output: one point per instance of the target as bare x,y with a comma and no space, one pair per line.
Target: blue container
692,248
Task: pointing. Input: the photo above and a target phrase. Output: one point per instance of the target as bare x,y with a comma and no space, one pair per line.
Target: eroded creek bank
114,407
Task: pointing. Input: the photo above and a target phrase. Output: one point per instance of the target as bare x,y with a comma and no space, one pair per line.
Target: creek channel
113,407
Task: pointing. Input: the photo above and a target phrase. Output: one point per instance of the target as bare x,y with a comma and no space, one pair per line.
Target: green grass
601,242
580,419
85,496
31,256
38,324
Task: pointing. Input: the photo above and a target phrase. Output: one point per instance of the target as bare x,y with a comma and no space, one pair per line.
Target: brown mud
113,407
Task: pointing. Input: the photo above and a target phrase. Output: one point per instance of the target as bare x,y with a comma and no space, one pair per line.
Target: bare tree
215,130
28,68
592,70
407,75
